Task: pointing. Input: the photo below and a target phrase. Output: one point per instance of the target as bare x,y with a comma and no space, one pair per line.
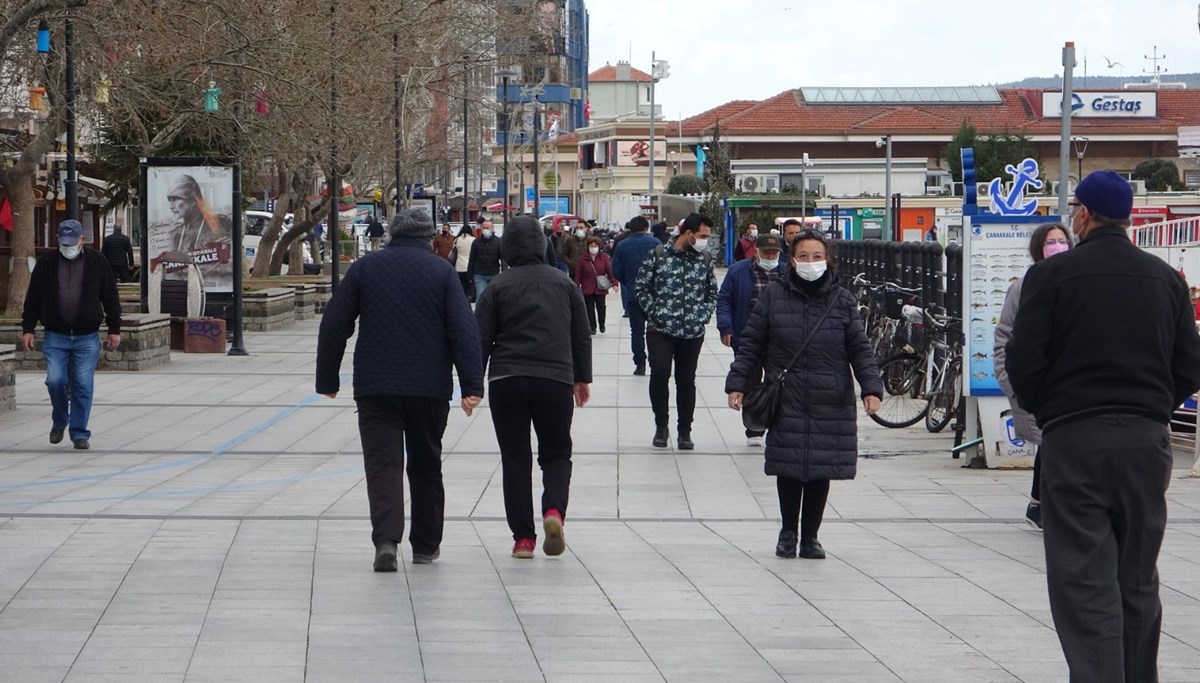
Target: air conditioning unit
1139,186
983,189
760,183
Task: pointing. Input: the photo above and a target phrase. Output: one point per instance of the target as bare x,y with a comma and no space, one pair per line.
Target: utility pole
537,168
71,186
466,136
335,180
1064,144
396,119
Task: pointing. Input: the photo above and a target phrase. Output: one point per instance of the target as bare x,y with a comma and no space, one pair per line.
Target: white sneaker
754,441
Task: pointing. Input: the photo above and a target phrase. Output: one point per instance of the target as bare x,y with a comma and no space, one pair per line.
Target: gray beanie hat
412,223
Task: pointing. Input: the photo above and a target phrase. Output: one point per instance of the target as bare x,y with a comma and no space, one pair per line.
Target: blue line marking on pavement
219,450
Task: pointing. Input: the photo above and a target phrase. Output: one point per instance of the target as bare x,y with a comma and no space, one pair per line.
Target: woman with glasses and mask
809,317
1046,241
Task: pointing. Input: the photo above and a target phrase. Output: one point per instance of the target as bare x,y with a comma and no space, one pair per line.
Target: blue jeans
637,330
481,283
70,375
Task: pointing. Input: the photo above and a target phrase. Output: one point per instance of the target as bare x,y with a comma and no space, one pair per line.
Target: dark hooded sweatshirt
532,321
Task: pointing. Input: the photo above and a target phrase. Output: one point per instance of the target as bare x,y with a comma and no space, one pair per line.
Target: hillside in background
1099,82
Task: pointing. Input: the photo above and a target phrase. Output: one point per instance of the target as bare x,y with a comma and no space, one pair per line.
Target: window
1191,179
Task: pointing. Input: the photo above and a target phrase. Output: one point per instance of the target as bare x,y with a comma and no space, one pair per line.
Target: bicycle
922,380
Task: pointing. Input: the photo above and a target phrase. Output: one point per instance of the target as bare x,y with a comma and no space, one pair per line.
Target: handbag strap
804,344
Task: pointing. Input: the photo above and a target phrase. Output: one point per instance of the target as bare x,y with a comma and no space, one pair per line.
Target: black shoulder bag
761,403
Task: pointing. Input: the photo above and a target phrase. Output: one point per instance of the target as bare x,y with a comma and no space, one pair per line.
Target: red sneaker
523,549
552,523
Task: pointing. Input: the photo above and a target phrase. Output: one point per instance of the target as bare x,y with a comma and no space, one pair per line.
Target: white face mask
700,245
810,271
487,234
768,265
69,253
593,250
752,234
580,234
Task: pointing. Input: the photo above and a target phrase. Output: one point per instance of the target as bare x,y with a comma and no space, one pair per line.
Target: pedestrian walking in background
574,246
460,256
659,230
486,259
119,252
535,338
443,244
627,260
1103,350
71,291
677,290
595,278
744,249
743,284
807,323
375,232
1046,241
413,328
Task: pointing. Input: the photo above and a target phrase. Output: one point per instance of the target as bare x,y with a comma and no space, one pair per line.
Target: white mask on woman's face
69,253
810,270
593,250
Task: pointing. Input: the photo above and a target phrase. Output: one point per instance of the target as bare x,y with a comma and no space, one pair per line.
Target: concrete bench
269,309
306,301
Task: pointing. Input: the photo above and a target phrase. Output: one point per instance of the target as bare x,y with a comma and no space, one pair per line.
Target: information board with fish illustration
997,255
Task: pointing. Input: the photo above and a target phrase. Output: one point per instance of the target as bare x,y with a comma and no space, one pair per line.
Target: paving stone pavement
218,531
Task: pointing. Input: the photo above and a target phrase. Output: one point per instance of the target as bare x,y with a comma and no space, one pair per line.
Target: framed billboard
188,212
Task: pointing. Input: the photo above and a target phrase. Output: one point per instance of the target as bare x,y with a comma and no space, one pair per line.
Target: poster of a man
189,212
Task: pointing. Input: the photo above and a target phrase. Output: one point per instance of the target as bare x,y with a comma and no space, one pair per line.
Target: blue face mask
768,265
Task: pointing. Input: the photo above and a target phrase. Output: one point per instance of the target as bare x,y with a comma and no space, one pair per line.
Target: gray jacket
1024,423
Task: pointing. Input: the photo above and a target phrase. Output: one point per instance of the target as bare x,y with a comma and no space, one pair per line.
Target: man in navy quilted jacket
415,326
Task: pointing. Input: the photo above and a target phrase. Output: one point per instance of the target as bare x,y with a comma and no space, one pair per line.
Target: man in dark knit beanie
1104,348
414,328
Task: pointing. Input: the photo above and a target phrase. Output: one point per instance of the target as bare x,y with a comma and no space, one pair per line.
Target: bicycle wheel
903,405
942,403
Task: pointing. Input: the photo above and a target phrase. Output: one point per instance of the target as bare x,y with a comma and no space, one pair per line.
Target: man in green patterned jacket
677,290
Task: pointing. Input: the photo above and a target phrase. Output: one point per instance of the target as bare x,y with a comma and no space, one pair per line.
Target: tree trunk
20,193
298,232
296,257
270,237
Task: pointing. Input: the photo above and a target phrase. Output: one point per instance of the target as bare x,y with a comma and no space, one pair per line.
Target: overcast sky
752,49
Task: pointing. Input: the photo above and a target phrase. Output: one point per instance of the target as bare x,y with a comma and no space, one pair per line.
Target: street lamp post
466,134
1080,143
804,165
396,117
506,74
537,159
658,71
886,142
335,181
71,186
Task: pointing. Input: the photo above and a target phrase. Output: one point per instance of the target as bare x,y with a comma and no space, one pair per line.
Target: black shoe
426,558
640,370
685,442
810,549
593,331
82,444
786,547
660,437
601,329
385,556
56,434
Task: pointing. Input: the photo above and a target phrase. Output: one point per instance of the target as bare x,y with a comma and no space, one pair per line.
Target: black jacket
414,324
1103,328
815,435
375,229
485,257
100,297
532,321
118,250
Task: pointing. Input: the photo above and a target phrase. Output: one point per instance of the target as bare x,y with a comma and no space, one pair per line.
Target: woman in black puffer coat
815,435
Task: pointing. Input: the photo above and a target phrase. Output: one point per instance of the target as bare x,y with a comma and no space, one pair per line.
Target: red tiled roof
1018,111
608,74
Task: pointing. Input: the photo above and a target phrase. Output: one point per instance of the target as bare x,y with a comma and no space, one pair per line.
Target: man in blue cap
1104,348
68,292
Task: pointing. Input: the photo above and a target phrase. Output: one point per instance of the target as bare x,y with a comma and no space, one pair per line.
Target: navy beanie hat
1107,194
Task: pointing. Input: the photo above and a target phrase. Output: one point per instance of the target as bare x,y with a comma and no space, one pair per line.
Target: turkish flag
6,214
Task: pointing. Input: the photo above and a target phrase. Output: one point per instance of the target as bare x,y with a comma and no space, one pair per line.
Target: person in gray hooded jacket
534,331
1046,241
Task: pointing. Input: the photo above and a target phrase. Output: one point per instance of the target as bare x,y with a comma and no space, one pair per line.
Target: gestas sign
1102,105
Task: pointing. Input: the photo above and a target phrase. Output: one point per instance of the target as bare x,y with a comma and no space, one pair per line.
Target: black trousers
752,382
637,330
596,309
684,354
1105,482
1035,490
121,273
802,504
548,406
468,285
390,428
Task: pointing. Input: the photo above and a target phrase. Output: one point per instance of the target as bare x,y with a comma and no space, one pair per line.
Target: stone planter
324,292
269,309
306,301
8,380
145,344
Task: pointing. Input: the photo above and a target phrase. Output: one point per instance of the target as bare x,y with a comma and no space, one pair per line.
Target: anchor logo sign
1014,203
